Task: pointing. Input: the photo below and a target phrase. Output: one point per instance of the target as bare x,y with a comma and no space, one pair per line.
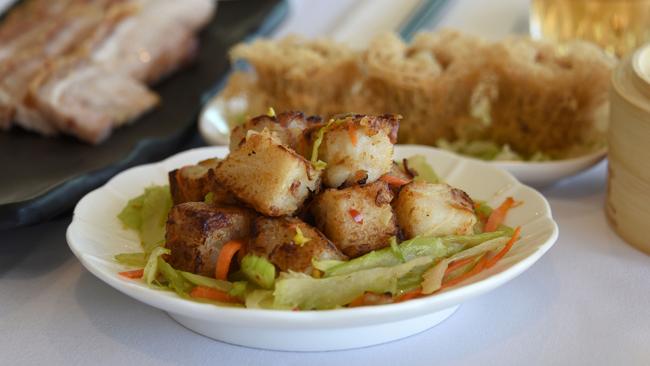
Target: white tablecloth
587,302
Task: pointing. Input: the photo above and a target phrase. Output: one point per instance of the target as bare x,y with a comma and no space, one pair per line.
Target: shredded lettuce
432,278
472,240
204,281
482,208
263,299
411,280
147,214
173,279
151,268
325,265
258,270
435,247
418,165
410,249
132,259
131,215
395,249
298,290
239,289
488,150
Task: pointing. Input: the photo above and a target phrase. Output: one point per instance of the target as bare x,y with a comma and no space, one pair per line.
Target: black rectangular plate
43,177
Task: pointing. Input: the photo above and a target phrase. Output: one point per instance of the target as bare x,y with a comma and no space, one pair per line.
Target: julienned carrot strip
498,215
359,301
477,268
212,294
394,181
352,133
485,262
241,254
458,264
492,261
226,254
136,273
409,295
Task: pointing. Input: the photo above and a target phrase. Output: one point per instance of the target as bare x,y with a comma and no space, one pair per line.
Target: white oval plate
95,236
545,173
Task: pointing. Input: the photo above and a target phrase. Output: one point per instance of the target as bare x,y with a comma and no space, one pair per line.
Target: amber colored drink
619,26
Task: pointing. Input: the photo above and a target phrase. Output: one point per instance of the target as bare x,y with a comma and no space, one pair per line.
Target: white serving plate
95,236
545,173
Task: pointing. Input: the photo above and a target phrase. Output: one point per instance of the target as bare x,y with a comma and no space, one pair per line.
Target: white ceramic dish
544,173
95,236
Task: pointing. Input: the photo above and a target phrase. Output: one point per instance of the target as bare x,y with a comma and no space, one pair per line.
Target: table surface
585,302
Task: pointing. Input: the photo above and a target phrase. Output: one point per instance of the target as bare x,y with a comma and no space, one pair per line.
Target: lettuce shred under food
132,259
418,165
432,278
298,290
151,268
258,270
147,214
204,281
173,279
435,247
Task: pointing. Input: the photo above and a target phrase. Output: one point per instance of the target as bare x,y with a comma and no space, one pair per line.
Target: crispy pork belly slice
275,239
155,41
354,146
268,176
192,183
51,27
15,76
287,127
34,34
434,209
7,110
196,232
87,101
357,219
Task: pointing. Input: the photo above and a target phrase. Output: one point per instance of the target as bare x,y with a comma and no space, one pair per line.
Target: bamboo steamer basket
628,191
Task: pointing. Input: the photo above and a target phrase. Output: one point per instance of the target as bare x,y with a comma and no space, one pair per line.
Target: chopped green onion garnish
300,239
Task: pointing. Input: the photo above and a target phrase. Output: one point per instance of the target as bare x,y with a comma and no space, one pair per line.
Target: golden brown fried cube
357,219
193,182
434,209
287,127
291,244
357,146
196,231
268,176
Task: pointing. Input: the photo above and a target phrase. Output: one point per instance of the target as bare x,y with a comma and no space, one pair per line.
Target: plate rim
334,318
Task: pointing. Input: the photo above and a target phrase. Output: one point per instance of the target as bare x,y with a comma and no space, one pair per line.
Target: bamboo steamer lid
628,191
